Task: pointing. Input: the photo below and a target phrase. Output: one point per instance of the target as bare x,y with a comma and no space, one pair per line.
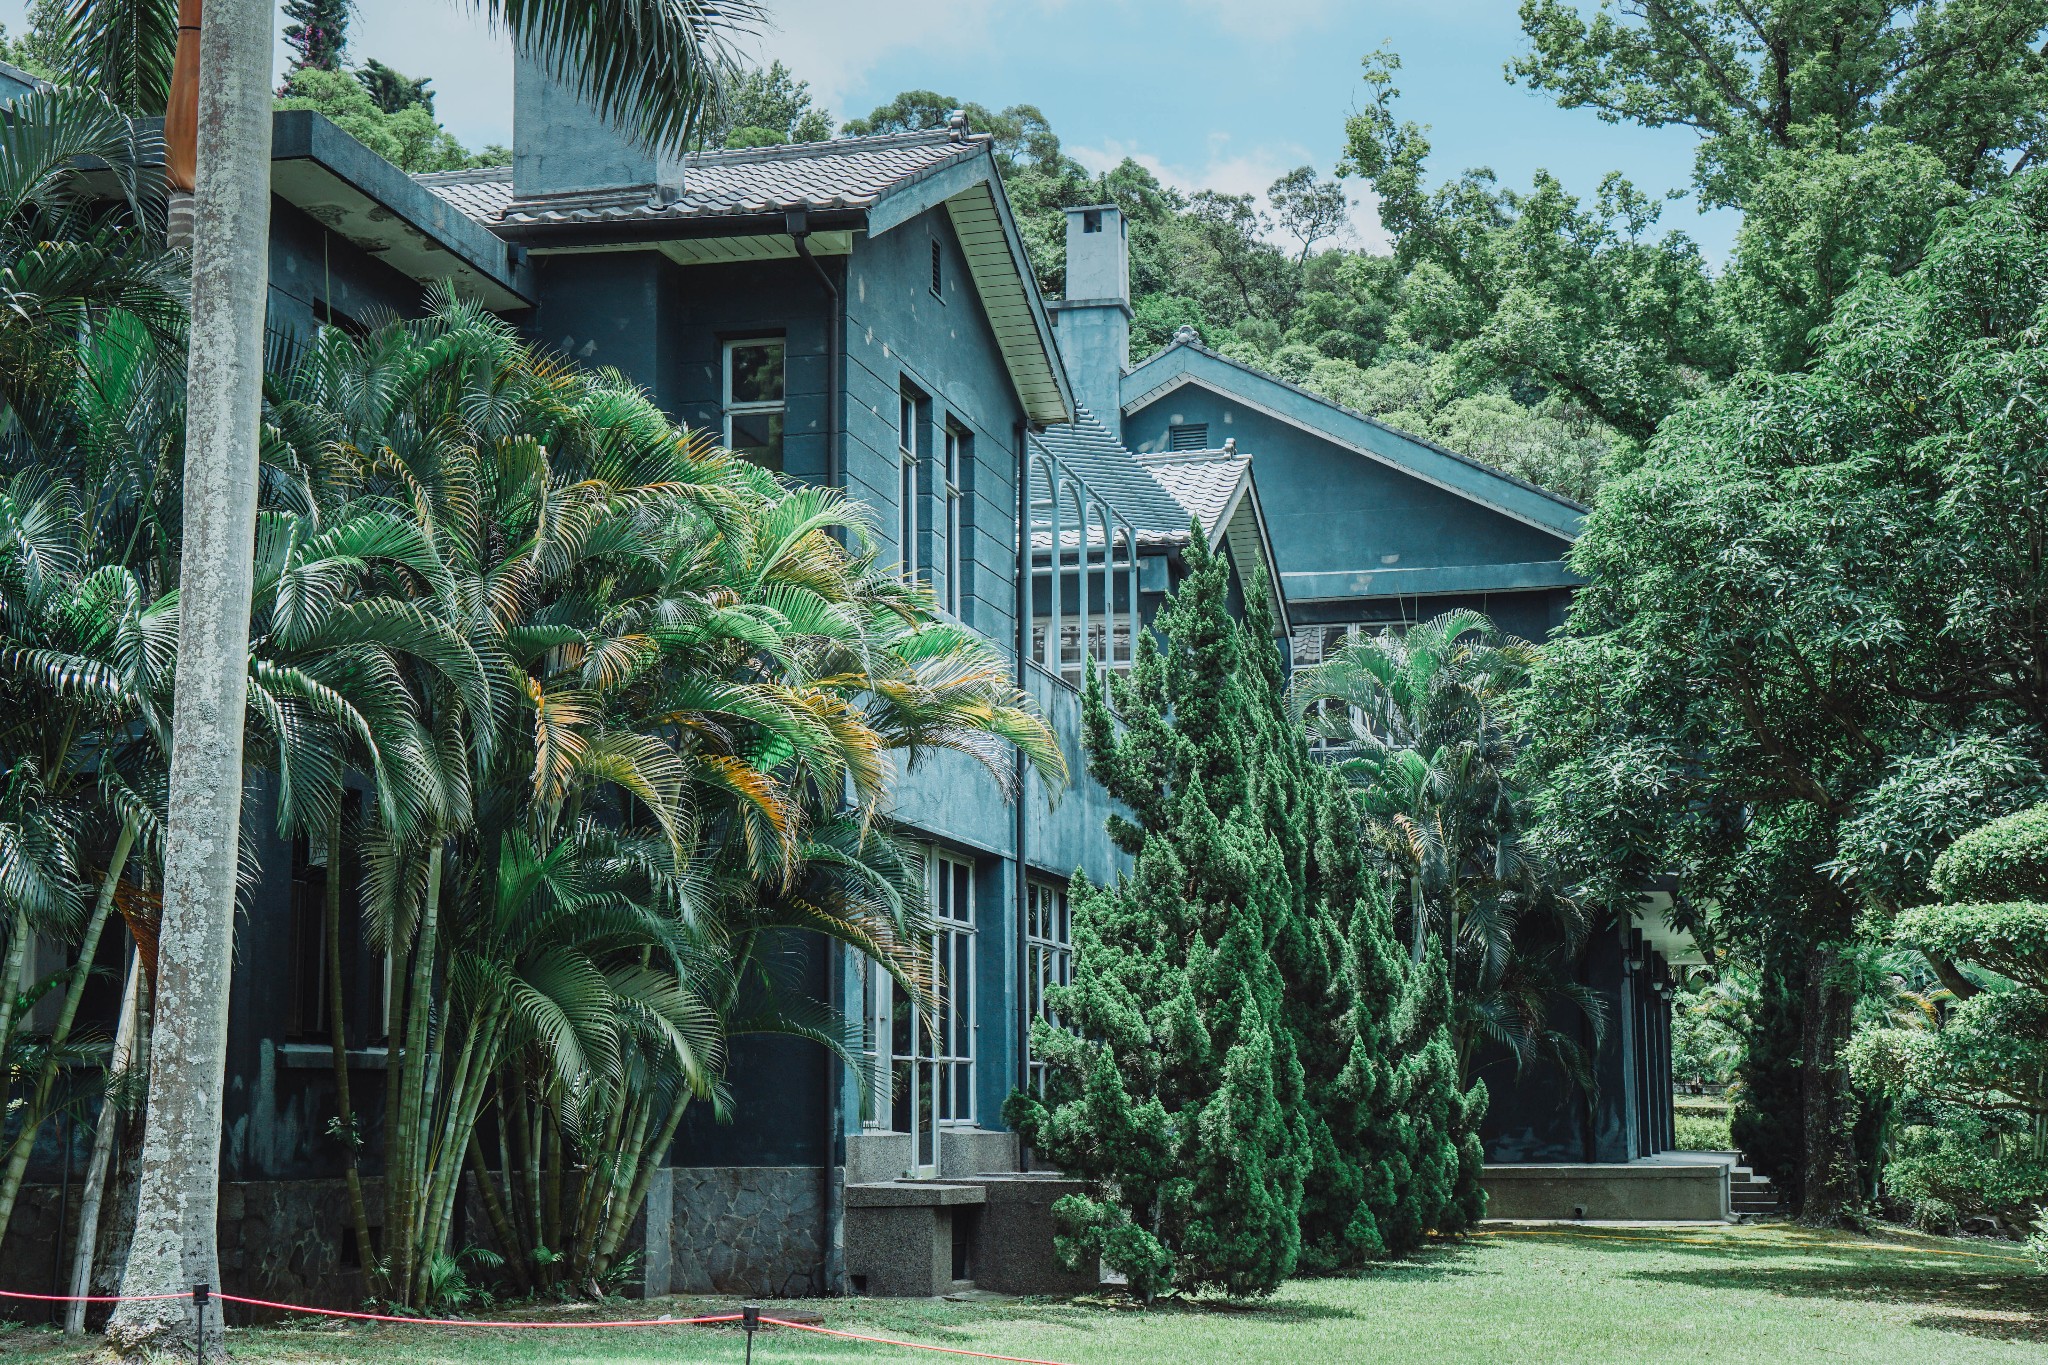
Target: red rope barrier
473,1322
907,1345
353,1316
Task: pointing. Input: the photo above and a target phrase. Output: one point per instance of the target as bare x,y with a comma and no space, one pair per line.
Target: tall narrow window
952,884
755,400
909,455
958,447
938,275
926,1075
1049,962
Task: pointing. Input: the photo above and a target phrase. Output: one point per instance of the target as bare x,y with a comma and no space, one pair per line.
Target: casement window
756,399
925,1074
1048,962
958,447
1072,666
912,407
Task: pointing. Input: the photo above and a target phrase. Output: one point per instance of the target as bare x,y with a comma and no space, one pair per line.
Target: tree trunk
102,1159
1830,1183
174,1245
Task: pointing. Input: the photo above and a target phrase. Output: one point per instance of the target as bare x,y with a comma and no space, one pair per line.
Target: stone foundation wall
746,1230
279,1239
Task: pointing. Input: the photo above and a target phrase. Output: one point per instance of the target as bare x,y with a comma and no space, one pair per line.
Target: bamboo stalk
60,1033
597,1180
102,1158
627,1203
10,979
494,1212
552,1159
401,1168
359,1213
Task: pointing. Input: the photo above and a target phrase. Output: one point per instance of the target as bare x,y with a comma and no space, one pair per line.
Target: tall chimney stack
1094,320
561,145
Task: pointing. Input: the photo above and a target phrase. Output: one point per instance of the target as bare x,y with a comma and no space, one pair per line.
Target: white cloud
1232,170
833,44
1265,20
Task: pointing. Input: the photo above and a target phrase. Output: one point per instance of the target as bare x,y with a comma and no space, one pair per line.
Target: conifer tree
317,33
1179,1090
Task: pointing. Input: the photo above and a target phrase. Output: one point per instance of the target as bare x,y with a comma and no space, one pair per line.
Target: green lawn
1763,1294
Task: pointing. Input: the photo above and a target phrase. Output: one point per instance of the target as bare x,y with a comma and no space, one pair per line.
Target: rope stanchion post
200,1293
750,1323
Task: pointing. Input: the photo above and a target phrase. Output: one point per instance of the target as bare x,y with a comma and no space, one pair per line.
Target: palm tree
654,65
686,667
1422,722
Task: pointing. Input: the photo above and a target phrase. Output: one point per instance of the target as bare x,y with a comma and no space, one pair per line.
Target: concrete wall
1651,1191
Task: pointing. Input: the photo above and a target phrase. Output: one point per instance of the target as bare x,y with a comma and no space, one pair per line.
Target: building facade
862,314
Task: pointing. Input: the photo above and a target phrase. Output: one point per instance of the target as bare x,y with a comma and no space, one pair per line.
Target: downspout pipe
797,221
832,1163
1023,890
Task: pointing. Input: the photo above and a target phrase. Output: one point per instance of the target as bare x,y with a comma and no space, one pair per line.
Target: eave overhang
382,211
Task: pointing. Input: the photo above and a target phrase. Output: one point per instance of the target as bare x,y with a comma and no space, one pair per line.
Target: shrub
2005,860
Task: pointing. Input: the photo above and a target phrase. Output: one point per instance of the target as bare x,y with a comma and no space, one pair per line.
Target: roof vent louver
1189,436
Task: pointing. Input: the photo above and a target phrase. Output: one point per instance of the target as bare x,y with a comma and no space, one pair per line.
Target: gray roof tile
1113,474
846,173
1206,482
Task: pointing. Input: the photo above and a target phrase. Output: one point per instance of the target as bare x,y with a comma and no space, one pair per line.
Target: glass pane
757,437
963,997
962,892
927,1134
757,372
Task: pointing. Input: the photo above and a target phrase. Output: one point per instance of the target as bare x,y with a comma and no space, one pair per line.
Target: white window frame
729,409
941,1061
956,448
1048,962
909,436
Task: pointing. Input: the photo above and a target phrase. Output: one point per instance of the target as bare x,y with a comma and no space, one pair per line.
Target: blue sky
1223,94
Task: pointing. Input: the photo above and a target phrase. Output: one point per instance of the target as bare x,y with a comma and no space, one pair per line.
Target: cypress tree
1179,1091
1257,1077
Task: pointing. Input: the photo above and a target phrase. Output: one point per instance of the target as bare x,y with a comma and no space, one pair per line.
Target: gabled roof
1218,490
1187,361
732,204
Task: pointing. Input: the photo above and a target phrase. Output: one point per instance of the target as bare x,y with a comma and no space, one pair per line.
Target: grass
1742,1294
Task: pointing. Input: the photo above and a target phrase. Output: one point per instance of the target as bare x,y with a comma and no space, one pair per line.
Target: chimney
1094,320
560,145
